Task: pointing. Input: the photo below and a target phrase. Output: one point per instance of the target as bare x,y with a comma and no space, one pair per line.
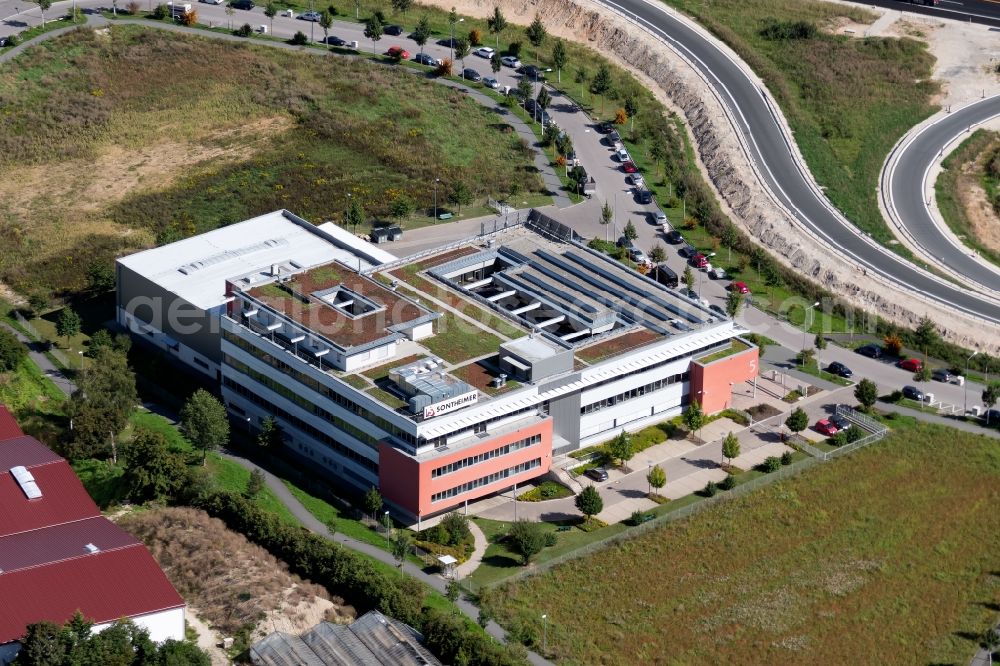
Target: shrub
636,518
161,12
893,344
728,483
771,464
514,49
786,458
444,69
550,539
189,18
711,489
475,37
12,352
853,434
895,396
132,8
11,40
299,39
245,30
782,30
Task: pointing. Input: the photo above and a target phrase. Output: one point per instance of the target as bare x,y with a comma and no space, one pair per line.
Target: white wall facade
161,626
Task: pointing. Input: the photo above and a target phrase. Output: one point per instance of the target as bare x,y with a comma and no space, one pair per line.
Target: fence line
38,337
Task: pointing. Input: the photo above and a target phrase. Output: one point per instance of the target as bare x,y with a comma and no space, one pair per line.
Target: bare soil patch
983,219
238,587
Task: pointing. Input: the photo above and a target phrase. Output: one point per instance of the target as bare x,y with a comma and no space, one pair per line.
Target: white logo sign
451,404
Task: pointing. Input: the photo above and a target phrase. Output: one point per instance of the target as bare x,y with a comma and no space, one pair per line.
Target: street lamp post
965,384
805,328
545,633
436,181
347,211
649,472
385,520
452,42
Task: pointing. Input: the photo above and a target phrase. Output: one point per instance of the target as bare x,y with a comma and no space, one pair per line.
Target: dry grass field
113,141
236,586
889,556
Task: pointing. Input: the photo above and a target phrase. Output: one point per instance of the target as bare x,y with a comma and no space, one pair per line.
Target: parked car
531,72
243,4
840,421
643,196
636,179
394,30
871,351
674,237
718,309
484,52
629,167
623,157
943,375
598,473
614,137
624,242
333,40
470,74
739,287
207,2
660,217
826,427
839,369
490,82
911,364
426,59
687,250
717,273
699,260
913,393
314,17
398,52
637,255
604,127
510,61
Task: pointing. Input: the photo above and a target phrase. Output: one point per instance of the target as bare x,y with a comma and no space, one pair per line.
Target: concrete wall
711,384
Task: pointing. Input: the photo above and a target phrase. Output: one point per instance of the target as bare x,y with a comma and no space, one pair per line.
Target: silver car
490,82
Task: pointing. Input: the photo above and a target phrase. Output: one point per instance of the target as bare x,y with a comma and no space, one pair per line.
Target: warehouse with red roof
58,554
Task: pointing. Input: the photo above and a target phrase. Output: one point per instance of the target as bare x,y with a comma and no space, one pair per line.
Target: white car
484,52
311,16
717,273
211,2
510,61
490,82
661,218
637,181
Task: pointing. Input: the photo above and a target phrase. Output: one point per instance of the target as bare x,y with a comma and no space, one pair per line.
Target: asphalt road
985,12
772,155
912,164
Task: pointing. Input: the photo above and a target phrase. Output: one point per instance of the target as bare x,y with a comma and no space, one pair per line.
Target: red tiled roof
8,426
63,499
61,542
104,586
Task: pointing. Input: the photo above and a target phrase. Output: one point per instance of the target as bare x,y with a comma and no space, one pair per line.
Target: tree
12,352
100,276
657,478
632,109
402,6
991,639
630,231
798,420
657,253
373,502
495,64
152,472
607,215
355,214
806,356
990,396
620,448
734,301
422,32
543,98
620,117
524,89
689,278
601,84
270,11
559,58
589,502
401,207
866,393
43,5
100,407
204,422
526,538
893,344
374,30
270,435
659,153
460,195
926,335
536,33
462,48
230,12
401,547
819,341
325,21
453,591
694,417
496,24
68,324
255,483
731,447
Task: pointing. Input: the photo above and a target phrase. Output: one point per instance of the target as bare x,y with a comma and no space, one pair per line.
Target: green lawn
981,144
881,552
457,340
813,369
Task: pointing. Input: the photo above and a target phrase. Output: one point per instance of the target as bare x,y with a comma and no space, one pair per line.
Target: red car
629,167
911,364
739,287
398,52
699,261
826,427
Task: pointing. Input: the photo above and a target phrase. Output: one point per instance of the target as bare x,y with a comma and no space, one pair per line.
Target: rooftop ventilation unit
91,548
26,481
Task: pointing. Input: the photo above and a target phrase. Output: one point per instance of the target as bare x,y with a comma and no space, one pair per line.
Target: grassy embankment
882,552
969,155
135,153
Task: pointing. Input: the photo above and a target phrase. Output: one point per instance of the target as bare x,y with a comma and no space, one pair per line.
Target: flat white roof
196,268
532,348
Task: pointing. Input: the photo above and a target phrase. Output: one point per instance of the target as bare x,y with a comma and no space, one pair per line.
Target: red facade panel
712,384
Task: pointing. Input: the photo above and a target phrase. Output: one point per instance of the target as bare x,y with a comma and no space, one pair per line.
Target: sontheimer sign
451,404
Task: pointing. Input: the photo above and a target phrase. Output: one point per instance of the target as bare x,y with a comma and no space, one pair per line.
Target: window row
484,425
290,419
290,395
634,393
486,455
486,480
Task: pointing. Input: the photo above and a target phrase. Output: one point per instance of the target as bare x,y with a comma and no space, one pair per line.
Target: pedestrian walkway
62,382
481,544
